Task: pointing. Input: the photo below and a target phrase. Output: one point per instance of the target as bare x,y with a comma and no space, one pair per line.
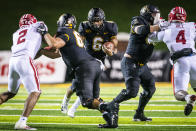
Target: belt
129,56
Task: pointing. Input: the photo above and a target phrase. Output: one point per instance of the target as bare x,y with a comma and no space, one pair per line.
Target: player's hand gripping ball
109,46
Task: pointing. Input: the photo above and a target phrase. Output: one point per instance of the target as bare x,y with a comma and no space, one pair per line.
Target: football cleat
22,126
71,112
111,121
111,117
141,117
189,106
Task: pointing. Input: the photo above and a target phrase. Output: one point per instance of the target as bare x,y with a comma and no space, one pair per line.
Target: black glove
181,53
42,29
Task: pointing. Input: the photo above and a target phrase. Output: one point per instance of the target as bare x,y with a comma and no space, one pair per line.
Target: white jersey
178,36
26,41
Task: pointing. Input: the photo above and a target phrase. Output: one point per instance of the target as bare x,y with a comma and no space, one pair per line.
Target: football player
180,37
87,68
133,64
98,34
26,44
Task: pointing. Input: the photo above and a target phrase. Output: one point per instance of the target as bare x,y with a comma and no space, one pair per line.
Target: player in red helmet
180,38
27,19
177,14
26,44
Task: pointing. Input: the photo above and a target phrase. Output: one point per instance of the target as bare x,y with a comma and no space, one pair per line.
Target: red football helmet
27,19
177,14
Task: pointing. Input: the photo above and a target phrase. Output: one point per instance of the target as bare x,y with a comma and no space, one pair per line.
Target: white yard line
58,104
101,116
96,124
96,110
60,100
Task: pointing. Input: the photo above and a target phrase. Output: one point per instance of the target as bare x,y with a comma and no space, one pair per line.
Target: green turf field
166,112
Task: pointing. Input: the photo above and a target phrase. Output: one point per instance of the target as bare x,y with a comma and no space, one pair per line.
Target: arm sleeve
81,29
138,28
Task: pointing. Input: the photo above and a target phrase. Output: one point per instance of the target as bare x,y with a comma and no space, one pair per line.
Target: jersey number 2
21,36
180,37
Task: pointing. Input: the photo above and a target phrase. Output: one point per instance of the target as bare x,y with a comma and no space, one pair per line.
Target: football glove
163,24
42,29
184,52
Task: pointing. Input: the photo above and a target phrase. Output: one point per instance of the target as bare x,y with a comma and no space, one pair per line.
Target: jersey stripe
172,79
35,73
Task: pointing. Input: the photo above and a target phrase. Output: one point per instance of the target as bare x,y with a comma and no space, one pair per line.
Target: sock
76,104
22,118
65,99
105,112
187,98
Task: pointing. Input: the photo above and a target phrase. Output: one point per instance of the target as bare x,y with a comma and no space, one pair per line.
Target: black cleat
188,109
107,126
111,117
141,117
189,106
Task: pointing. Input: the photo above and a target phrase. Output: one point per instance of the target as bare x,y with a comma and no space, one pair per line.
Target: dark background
120,11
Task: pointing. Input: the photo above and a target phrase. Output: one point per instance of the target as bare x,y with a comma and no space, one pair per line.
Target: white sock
65,99
105,112
76,104
23,119
187,98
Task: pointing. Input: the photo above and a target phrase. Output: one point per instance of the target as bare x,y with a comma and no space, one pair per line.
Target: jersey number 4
21,38
180,37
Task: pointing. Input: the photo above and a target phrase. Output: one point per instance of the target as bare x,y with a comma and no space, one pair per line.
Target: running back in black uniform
133,64
94,39
87,69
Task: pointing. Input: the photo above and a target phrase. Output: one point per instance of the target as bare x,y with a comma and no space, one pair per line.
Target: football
109,45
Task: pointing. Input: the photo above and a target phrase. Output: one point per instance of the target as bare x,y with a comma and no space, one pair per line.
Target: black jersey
73,53
138,46
95,39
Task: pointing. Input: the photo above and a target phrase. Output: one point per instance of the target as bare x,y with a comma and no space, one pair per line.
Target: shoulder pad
135,21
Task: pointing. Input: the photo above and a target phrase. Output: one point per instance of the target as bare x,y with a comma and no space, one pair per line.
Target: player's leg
13,83
132,81
148,85
72,110
86,76
181,81
29,77
192,98
67,97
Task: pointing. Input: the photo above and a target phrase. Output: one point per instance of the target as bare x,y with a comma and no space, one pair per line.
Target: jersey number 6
180,37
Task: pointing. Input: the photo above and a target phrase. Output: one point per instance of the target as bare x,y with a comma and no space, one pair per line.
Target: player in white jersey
26,43
180,37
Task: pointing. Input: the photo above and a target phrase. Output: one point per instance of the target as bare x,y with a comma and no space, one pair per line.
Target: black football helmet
67,20
96,15
147,10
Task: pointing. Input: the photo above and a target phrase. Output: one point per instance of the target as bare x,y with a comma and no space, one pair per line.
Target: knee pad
131,93
87,103
124,95
180,95
148,93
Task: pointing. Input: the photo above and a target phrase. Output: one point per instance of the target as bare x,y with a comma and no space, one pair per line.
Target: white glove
42,28
163,24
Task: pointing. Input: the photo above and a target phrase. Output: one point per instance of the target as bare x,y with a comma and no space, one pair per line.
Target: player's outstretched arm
51,41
